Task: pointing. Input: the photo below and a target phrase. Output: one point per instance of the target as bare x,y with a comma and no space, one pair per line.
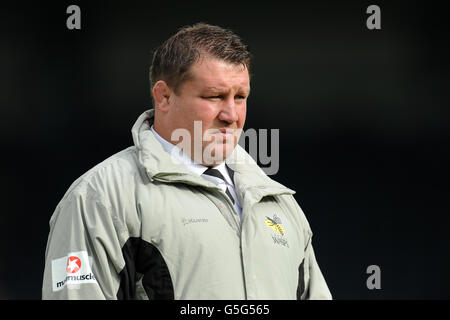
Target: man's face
215,94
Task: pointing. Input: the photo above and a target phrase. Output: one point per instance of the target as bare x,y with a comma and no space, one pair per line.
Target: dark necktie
216,173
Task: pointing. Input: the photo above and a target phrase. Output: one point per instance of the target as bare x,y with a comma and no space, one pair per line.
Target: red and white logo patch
72,270
73,264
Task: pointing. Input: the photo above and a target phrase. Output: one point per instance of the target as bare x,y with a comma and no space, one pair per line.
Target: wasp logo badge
275,224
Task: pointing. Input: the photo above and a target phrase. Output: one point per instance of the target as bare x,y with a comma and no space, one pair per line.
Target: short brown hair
172,60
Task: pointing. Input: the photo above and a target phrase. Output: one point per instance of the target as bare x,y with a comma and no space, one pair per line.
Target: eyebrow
218,89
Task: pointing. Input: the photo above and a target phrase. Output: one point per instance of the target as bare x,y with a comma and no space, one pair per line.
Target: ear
161,94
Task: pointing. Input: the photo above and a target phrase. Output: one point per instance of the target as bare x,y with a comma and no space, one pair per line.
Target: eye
213,97
240,97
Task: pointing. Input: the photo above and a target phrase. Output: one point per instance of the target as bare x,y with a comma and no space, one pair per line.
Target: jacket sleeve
316,287
312,284
83,257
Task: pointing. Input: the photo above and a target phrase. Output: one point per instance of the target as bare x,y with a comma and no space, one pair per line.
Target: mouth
223,135
226,132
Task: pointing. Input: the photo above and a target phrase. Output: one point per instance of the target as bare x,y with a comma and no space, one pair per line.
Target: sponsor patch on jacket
72,270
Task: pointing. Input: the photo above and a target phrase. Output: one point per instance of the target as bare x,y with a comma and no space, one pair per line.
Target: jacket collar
251,183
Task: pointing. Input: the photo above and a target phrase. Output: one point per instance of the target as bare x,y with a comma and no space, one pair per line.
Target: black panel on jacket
144,258
301,280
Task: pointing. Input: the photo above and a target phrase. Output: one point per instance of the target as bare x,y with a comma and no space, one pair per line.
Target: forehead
214,74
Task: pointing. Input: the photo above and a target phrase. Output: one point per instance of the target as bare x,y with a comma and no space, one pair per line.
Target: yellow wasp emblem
275,224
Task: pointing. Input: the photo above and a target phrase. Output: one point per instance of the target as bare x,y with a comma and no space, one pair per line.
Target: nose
228,111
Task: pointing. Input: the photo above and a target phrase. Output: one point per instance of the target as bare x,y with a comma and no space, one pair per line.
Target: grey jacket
140,225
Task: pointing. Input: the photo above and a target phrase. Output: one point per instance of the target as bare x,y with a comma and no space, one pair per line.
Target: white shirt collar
193,166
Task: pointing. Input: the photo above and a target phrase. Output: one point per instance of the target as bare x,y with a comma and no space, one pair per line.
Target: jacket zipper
235,213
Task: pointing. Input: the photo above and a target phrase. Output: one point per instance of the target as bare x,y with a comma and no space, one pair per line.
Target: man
185,213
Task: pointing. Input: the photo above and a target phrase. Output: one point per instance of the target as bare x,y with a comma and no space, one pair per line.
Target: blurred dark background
364,119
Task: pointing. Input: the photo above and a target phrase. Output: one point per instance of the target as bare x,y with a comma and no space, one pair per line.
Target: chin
214,155
227,150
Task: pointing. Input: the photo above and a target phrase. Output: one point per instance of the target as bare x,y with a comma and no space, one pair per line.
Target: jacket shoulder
111,175
108,188
298,215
